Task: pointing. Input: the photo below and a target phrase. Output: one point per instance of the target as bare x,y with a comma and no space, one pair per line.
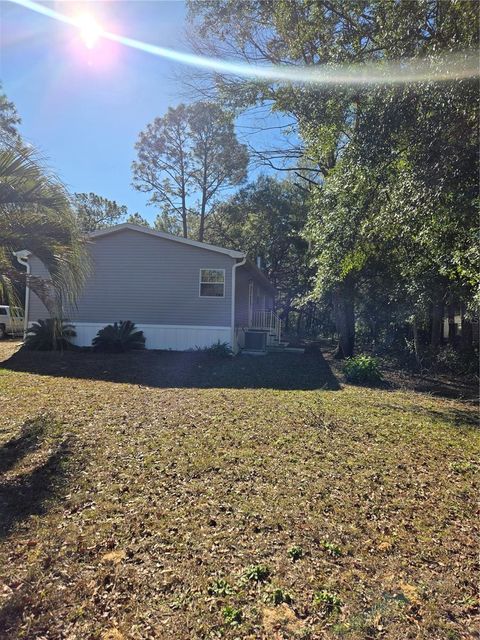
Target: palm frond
36,214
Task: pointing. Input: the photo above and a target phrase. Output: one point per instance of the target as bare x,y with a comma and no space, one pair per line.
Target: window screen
212,283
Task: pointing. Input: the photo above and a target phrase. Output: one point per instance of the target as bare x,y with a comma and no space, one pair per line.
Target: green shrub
232,616
328,600
295,553
362,369
119,337
217,350
279,596
449,360
332,549
220,588
51,334
256,573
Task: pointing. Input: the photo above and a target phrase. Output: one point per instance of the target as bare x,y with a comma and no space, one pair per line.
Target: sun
90,30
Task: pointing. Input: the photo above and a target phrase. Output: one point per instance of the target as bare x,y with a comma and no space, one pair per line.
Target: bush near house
52,334
119,337
362,369
217,350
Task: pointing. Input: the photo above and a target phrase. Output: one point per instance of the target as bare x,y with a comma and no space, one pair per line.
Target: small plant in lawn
295,553
328,600
220,588
119,337
256,573
461,467
232,616
52,334
217,350
279,596
362,369
332,549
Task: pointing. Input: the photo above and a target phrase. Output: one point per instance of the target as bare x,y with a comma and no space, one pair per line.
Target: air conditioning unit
256,340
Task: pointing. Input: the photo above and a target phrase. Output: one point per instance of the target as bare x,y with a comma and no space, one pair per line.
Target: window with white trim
212,283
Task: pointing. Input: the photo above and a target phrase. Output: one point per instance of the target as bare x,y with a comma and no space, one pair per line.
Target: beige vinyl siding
149,280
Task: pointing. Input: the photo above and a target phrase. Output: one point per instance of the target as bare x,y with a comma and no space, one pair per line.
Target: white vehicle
12,321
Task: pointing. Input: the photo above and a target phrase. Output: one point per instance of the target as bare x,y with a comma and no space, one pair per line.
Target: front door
250,303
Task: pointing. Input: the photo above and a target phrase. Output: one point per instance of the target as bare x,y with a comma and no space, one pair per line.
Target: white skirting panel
162,336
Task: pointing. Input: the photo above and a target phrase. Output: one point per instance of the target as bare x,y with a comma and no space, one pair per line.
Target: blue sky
84,109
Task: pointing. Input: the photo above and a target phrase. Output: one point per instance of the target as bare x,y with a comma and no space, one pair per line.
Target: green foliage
266,219
119,337
51,334
217,350
448,360
191,150
220,588
232,616
136,218
329,601
332,549
256,573
362,369
35,214
295,553
94,212
386,217
462,467
279,596
9,120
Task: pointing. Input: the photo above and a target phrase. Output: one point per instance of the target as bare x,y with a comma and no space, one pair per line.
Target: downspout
234,275
22,258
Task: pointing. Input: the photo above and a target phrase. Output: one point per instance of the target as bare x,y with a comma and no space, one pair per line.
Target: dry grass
139,510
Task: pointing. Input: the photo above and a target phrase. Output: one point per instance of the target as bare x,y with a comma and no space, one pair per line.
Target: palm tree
35,214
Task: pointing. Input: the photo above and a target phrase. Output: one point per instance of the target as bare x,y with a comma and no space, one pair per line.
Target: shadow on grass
167,369
27,494
28,440
456,417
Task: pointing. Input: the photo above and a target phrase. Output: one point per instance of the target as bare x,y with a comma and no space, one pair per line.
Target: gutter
234,268
22,258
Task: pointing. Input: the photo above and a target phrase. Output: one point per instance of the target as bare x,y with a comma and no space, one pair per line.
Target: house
181,293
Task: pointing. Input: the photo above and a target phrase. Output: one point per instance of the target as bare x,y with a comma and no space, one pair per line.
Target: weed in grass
279,596
332,549
295,553
220,588
329,601
462,467
231,616
256,573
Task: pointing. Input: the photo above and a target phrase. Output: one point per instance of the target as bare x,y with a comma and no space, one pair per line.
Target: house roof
166,236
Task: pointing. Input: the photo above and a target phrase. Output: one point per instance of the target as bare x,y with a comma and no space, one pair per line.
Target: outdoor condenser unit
256,340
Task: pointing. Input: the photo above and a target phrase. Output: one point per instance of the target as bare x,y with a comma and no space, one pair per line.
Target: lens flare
90,30
452,67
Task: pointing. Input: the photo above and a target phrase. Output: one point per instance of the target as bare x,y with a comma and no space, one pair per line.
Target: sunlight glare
90,30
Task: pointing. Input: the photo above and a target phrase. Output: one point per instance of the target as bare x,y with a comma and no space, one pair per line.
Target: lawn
172,496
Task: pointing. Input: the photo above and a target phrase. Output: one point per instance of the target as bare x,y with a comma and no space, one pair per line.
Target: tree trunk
184,196
437,325
201,231
203,207
416,343
451,324
299,323
344,314
467,334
